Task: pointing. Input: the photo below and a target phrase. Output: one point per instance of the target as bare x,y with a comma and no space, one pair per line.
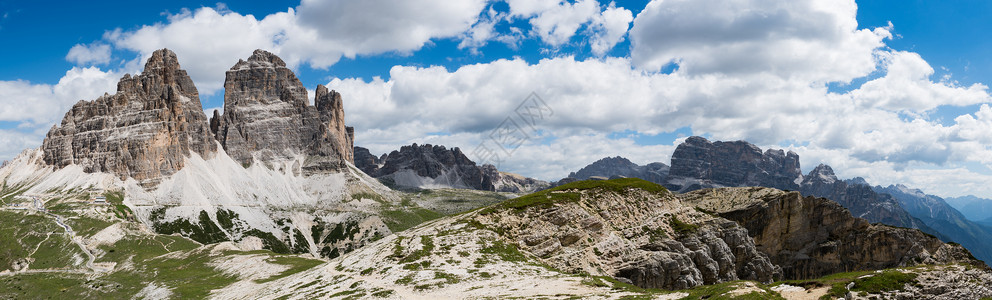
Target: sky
892,91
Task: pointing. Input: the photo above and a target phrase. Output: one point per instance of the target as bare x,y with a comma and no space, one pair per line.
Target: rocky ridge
860,199
937,214
435,166
144,131
811,237
586,238
619,167
698,163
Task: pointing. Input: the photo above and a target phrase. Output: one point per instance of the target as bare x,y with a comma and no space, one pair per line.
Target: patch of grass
365,195
890,280
406,218
506,252
383,293
204,231
565,193
296,264
22,232
427,247
85,226
682,228
141,248
719,292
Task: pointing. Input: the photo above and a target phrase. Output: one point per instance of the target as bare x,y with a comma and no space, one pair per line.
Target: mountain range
140,195
698,163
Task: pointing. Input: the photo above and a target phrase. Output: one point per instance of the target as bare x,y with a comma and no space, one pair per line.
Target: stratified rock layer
811,237
268,117
144,131
697,163
649,239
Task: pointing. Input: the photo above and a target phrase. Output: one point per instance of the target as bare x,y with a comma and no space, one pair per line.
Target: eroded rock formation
143,131
811,237
268,117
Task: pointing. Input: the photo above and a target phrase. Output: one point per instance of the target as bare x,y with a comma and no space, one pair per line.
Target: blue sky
800,75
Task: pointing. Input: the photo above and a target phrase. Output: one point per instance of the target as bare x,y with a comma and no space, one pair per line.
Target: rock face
811,237
697,163
434,166
268,117
939,215
649,239
365,161
143,131
617,167
860,200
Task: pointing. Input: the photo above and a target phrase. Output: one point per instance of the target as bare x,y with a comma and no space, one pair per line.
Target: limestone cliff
268,117
811,237
143,131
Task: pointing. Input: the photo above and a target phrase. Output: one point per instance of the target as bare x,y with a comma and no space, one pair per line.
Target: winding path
40,206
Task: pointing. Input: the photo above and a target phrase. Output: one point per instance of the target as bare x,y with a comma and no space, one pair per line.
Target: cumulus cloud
36,107
814,40
609,28
92,54
317,32
43,104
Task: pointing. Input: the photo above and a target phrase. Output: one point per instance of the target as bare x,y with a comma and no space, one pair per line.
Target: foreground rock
811,237
144,131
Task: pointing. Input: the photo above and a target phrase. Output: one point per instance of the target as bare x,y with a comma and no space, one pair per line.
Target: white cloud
44,104
209,41
36,107
377,26
92,54
557,24
906,86
812,40
609,28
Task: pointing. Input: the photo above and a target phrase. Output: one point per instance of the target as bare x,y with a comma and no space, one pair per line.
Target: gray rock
616,167
449,167
267,116
810,237
144,131
697,163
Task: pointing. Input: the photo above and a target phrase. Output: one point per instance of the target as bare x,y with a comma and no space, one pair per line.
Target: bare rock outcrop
144,131
647,238
268,117
811,237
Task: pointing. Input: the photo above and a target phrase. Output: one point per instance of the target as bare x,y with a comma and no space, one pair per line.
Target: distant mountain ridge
698,163
434,166
974,208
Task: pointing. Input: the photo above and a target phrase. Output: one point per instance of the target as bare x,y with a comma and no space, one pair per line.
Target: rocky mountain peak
435,166
822,173
260,59
144,131
162,61
698,163
268,116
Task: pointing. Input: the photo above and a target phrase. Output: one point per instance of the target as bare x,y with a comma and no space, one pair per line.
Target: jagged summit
822,173
260,58
268,117
143,131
